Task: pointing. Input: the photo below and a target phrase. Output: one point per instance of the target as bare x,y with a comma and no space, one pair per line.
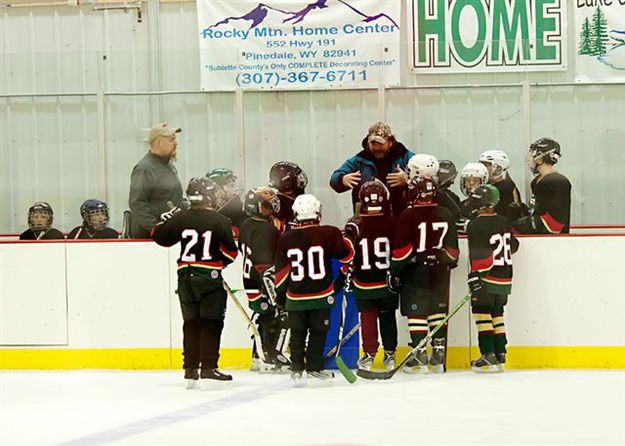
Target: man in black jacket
154,184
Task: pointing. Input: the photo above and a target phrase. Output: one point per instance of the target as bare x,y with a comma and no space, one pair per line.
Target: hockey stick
346,338
251,325
371,374
345,371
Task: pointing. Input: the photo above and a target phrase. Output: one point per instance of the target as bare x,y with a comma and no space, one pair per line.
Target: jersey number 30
314,264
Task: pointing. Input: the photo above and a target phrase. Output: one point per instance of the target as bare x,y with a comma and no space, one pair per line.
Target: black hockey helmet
447,173
222,176
483,197
204,192
40,208
545,149
373,196
95,214
420,189
261,201
287,176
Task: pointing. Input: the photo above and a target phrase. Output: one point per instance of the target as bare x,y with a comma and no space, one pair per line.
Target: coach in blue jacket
382,157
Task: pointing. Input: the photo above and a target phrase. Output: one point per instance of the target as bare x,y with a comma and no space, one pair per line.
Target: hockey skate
366,362
297,378
212,379
437,359
276,363
389,359
320,377
418,363
192,377
255,363
485,364
501,361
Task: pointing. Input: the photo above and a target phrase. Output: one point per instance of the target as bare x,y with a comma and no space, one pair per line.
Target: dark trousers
314,325
203,305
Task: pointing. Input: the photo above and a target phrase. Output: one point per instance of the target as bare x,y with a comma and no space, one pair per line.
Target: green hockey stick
372,374
345,371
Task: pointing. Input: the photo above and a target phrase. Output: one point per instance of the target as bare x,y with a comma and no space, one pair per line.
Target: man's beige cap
379,132
162,129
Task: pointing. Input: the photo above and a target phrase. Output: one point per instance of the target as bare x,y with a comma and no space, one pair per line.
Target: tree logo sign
600,46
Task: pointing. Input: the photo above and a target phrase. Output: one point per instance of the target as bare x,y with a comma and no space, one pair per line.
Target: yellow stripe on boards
165,358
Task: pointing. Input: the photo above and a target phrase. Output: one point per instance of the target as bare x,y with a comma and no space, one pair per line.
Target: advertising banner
298,44
468,36
600,41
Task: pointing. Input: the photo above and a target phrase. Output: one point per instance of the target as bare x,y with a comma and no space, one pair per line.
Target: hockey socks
369,330
499,329
485,331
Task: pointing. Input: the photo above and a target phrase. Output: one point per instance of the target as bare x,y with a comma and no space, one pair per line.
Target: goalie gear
40,216
306,207
374,196
423,165
420,190
287,176
446,173
203,192
473,175
497,163
95,214
261,202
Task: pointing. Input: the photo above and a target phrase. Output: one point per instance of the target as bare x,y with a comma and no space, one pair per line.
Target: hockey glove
393,282
524,225
268,283
517,210
475,285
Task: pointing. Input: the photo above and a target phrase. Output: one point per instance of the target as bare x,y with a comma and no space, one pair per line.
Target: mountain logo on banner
261,12
596,41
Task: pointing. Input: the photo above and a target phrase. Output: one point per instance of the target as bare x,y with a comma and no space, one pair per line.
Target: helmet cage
40,209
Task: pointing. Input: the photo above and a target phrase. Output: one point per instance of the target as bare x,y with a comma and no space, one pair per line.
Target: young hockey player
290,181
491,245
425,247
95,218
230,203
423,165
206,247
472,176
258,238
371,236
550,206
304,274
40,218
444,196
497,164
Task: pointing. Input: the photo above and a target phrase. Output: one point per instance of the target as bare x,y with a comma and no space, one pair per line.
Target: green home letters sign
451,36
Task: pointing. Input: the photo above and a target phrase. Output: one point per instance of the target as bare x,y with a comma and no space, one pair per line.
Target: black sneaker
191,376
485,364
215,374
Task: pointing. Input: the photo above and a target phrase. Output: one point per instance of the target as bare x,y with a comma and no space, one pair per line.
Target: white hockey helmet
307,207
473,175
423,165
497,163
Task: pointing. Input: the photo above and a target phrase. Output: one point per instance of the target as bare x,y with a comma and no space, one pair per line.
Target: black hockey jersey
257,242
233,209
551,204
304,267
206,241
491,245
508,194
448,199
425,233
51,234
83,233
372,257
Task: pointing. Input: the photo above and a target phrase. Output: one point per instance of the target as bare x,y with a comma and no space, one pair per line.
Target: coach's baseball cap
379,132
162,129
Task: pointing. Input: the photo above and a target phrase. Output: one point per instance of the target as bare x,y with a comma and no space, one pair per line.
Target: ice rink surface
538,407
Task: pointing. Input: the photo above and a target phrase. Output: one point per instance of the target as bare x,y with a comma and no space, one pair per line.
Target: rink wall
77,304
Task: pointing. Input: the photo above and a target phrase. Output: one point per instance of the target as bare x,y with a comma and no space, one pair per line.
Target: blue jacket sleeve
336,182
